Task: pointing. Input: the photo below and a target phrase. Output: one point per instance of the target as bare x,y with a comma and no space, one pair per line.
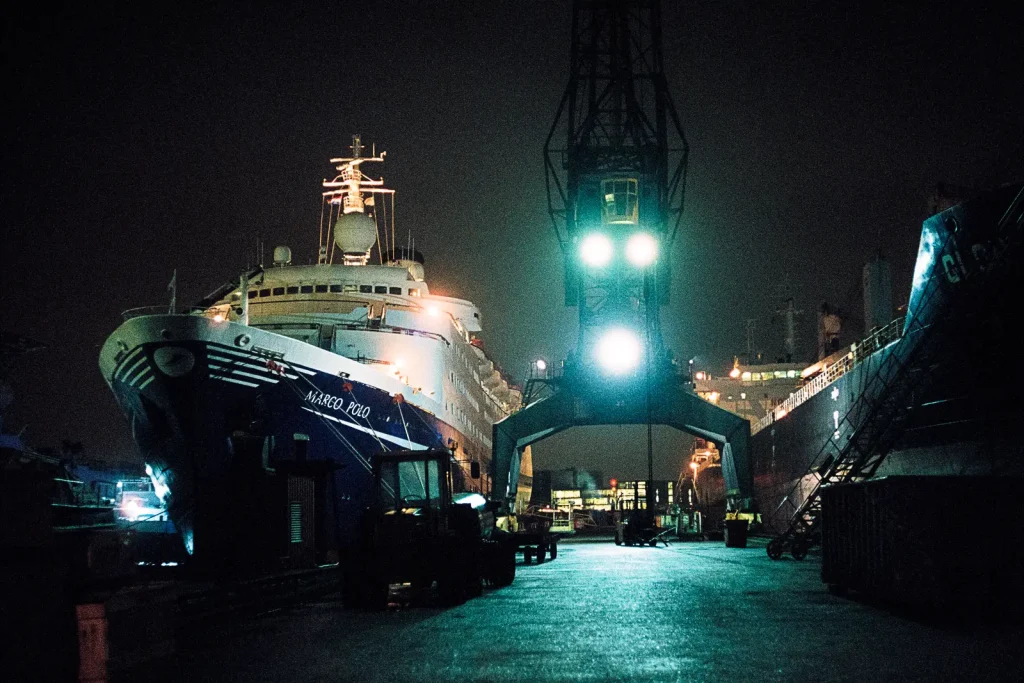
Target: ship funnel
282,256
407,258
355,234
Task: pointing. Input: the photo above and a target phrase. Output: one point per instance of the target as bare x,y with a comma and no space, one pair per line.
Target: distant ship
325,363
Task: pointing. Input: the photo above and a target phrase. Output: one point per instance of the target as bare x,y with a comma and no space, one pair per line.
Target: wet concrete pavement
689,612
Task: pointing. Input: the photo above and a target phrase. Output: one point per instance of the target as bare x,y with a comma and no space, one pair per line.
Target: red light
614,483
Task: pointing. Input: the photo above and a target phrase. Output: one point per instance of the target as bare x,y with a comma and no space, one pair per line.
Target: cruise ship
326,363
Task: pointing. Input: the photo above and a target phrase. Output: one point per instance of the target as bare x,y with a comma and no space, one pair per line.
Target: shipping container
926,541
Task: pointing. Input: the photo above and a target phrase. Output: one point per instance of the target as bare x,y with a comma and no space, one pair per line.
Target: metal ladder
885,401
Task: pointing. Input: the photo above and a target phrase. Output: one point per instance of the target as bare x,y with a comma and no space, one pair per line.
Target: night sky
140,143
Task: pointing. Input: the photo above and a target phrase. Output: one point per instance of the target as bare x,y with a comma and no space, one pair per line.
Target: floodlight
596,250
642,249
618,351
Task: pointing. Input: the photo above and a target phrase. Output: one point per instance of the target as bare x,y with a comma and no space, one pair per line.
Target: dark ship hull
963,418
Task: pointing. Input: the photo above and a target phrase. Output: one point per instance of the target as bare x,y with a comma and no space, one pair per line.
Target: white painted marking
404,443
128,359
133,367
142,373
235,381
146,383
243,373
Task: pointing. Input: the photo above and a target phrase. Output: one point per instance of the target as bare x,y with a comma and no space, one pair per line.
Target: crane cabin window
620,201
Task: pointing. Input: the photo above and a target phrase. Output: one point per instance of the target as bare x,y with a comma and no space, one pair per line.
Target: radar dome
282,256
355,233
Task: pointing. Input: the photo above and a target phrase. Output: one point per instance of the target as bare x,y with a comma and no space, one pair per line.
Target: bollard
92,643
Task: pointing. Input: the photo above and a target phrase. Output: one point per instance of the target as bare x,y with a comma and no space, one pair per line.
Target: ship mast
344,196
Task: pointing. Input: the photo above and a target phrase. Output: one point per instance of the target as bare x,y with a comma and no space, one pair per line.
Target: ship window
293,290
307,289
321,288
414,292
336,288
394,290
278,291
253,293
264,292
366,289
380,289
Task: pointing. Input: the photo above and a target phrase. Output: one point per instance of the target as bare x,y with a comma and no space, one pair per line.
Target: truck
417,532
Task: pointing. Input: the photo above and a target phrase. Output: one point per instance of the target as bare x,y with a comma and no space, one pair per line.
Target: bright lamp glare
596,250
642,249
618,351
541,365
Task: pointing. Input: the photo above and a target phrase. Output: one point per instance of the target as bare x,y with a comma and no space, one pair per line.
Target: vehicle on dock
538,533
640,528
417,533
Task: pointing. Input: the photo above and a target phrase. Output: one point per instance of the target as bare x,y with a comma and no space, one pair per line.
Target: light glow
734,373
433,311
541,365
618,351
219,318
642,250
596,250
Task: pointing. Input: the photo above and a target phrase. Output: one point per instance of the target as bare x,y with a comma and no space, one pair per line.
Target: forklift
418,533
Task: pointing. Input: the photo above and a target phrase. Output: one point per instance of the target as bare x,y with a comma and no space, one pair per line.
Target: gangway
959,270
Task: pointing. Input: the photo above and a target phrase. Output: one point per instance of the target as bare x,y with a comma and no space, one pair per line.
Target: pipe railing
858,354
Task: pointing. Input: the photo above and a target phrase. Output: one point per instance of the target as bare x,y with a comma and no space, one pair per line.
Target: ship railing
162,310
859,353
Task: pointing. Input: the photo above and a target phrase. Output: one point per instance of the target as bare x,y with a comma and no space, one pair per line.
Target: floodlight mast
620,171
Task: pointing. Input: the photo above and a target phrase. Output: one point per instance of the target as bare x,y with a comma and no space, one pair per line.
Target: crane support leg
578,403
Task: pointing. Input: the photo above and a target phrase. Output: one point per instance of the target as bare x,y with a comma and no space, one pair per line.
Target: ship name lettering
319,398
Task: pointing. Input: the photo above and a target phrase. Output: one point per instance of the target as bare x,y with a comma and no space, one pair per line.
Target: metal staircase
889,394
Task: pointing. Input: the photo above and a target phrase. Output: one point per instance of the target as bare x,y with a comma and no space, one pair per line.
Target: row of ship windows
336,289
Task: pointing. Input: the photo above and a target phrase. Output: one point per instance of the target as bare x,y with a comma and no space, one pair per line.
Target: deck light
596,250
642,249
541,365
618,351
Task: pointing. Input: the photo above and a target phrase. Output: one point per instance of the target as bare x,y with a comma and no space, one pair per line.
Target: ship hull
194,390
963,418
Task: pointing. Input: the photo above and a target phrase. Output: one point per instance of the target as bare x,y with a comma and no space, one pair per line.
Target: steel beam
583,402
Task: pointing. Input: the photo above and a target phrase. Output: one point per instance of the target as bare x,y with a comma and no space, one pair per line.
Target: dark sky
144,138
